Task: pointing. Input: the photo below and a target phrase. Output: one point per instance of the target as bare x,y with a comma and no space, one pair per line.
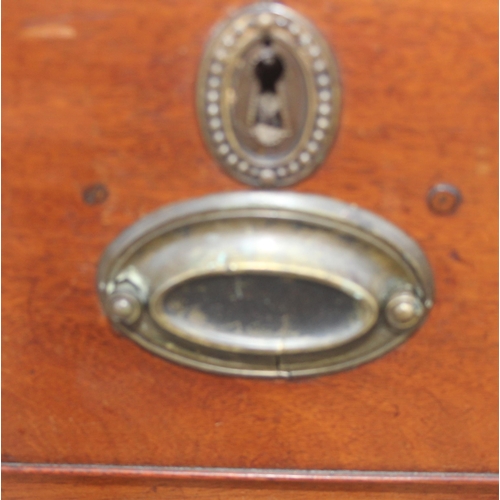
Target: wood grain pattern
83,490
103,92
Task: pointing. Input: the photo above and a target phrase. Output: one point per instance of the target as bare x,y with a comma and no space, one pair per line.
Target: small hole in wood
95,194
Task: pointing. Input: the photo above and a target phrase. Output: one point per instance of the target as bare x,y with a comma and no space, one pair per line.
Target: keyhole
268,104
269,69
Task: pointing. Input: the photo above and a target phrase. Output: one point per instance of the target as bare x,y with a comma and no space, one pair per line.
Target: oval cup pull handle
265,284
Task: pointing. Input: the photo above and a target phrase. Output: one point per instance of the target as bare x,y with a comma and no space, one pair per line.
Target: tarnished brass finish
265,284
268,95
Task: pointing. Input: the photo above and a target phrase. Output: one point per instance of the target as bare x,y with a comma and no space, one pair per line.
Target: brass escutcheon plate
268,96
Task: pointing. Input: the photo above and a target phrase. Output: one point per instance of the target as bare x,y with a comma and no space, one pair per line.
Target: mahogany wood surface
12,489
102,92
103,482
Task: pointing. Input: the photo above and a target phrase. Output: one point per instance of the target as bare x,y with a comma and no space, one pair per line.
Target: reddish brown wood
339,479
102,91
91,481
12,489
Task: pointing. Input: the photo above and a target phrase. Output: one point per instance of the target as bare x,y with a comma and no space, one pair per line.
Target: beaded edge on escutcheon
268,176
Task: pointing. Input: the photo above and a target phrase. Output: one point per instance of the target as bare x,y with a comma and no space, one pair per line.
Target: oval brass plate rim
289,207
212,368
303,207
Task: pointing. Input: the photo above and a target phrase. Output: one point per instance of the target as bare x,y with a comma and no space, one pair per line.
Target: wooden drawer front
101,92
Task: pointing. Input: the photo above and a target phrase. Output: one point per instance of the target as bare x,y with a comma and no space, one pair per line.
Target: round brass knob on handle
265,284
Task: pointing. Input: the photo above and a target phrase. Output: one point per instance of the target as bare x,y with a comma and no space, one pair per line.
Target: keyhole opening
269,69
269,104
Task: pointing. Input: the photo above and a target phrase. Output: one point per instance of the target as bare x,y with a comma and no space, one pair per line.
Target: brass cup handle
265,284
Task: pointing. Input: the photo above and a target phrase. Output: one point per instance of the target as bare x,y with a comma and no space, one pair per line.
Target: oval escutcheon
265,284
268,96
